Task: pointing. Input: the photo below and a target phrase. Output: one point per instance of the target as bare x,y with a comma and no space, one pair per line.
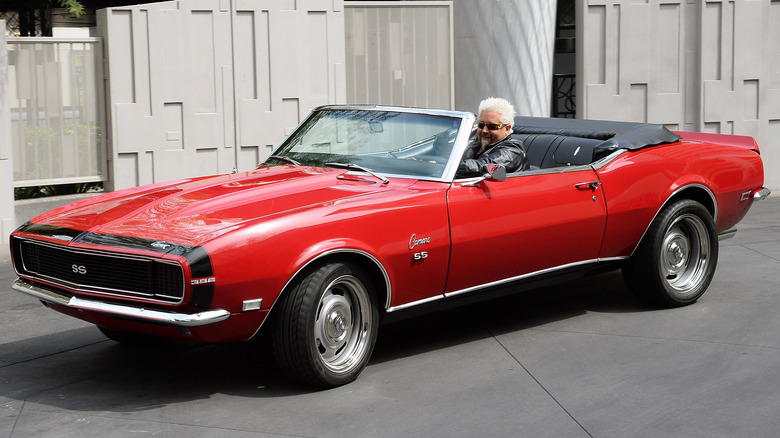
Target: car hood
196,209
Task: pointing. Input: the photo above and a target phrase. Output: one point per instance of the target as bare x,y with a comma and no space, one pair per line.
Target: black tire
675,262
325,327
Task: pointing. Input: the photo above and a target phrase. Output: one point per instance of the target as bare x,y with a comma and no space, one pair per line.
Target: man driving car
493,143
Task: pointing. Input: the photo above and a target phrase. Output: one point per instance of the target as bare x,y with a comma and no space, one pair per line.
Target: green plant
73,6
56,190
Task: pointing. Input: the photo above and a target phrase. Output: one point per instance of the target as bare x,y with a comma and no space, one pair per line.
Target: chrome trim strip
400,109
598,164
728,234
519,277
545,171
459,148
500,282
613,259
415,303
124,311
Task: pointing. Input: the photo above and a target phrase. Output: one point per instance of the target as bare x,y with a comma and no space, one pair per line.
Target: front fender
344,248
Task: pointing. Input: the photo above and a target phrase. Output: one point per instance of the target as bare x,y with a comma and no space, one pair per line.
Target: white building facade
195,88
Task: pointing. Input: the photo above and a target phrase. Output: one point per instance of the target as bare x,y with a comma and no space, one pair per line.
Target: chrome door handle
590,185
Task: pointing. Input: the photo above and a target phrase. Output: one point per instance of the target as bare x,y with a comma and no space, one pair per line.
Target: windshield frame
465,121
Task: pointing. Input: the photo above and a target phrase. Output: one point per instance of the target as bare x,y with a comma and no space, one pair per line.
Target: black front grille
103,272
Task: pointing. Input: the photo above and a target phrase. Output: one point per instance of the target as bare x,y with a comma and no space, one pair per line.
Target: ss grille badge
198,281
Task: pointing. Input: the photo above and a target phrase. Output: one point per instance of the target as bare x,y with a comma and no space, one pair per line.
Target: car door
530,223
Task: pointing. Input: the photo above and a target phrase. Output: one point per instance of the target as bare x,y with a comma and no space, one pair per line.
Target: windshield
387,142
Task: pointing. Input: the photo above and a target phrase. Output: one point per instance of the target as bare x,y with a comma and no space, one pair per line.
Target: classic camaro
358,217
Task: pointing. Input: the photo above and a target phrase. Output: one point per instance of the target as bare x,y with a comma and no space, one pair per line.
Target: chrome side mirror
493,172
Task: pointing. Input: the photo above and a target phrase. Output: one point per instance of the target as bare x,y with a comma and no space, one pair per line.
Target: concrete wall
400,53
504,48
711,66
201,87
7,218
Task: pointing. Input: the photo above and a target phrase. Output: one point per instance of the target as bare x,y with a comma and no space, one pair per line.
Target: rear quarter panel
638,184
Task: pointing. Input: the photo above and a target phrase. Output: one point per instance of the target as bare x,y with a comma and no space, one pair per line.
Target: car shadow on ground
100,375
604,293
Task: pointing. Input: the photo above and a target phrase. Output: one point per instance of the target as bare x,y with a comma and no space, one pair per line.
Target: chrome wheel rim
685,254
342,324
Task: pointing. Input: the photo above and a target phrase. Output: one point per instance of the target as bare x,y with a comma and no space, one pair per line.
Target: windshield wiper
353,166
287,159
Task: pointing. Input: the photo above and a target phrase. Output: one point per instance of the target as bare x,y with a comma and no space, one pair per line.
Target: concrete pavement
584,359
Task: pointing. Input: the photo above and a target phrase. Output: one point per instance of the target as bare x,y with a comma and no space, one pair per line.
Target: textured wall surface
400,53
55,94
710,66
504,48
740,74
200,87
7,219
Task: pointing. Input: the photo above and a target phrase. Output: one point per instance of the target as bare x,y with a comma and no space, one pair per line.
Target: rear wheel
675,262
325,328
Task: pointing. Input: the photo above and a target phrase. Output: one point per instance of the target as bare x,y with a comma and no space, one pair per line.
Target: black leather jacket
508,152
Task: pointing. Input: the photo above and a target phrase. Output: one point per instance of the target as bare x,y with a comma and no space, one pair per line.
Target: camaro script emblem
414,241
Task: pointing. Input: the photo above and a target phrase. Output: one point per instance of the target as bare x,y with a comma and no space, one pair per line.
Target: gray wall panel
200,87
711,66
505,49
400,53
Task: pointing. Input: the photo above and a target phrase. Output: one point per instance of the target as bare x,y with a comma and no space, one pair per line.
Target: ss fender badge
203,281
414,242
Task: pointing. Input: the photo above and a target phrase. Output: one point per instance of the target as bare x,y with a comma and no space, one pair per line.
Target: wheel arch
365,260
696,192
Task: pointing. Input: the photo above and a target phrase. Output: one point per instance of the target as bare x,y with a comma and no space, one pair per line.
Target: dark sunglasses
491,126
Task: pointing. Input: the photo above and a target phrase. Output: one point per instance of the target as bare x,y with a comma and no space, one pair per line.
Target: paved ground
582,360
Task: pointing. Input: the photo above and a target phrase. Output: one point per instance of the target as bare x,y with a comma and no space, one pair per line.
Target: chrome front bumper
123,311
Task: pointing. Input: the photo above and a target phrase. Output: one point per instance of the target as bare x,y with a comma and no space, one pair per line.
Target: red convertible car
358,217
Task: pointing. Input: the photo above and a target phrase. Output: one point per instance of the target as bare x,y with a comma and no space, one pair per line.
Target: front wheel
326,326
675,262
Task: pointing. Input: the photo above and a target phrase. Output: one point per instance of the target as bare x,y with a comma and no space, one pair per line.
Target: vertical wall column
400,53
505,48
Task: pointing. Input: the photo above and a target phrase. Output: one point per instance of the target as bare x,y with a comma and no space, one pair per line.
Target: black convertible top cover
615,135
